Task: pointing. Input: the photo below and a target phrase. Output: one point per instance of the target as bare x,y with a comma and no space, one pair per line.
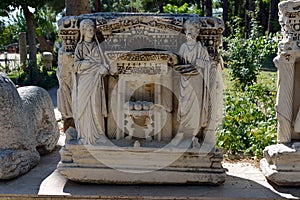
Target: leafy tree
78,7
10,5
185,8
6,6
245,56
265,12
208,6
273,25
45,29
150,5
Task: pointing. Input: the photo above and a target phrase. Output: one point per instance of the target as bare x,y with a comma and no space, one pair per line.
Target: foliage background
249,123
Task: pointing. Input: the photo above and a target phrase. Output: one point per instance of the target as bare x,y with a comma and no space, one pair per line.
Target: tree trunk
203,7
44,45
236,7
109,6
263,15
31,36
198,2
98,6
161,6
249,9
225,17
77,7
208,8
273,16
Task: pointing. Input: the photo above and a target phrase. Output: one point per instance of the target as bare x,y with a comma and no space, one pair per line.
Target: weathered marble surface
141,83
27,127
108,164
281,163
287,62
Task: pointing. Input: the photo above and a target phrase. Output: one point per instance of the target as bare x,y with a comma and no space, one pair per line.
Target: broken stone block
27,127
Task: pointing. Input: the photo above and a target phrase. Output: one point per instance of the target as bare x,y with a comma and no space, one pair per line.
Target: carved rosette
288,52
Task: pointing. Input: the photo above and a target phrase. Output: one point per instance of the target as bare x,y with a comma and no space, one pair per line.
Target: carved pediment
127,32
138,36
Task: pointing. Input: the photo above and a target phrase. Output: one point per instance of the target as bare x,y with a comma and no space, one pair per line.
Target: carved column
23,49
284,105
281,162
64,71
284,97
288,51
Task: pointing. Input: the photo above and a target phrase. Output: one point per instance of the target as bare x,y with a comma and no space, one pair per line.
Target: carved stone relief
140,82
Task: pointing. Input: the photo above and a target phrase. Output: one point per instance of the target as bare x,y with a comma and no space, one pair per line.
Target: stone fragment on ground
27,127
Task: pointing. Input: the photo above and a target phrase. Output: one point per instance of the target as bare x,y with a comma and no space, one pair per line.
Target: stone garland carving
150,62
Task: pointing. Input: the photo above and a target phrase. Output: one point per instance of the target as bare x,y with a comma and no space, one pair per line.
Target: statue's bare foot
177,139
137,144
102,140
195,142
148,138
129,137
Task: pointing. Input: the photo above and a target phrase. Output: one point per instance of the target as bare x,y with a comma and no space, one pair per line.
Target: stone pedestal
129,165
281,164
47,58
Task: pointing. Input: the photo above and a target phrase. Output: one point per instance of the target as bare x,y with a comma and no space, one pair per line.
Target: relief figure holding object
89,103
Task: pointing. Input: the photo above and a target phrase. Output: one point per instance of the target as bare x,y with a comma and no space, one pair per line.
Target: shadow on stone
234,187
30,183
293,190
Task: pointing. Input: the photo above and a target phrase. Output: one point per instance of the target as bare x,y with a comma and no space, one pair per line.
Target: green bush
185,8
244,57
34,76
249,123
44,79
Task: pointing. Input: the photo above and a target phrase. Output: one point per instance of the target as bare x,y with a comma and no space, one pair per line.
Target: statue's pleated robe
88,95
194,90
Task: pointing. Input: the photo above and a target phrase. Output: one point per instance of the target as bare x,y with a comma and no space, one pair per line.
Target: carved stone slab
97,164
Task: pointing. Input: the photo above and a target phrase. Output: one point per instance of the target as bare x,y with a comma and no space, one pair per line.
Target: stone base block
98,164
281,164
